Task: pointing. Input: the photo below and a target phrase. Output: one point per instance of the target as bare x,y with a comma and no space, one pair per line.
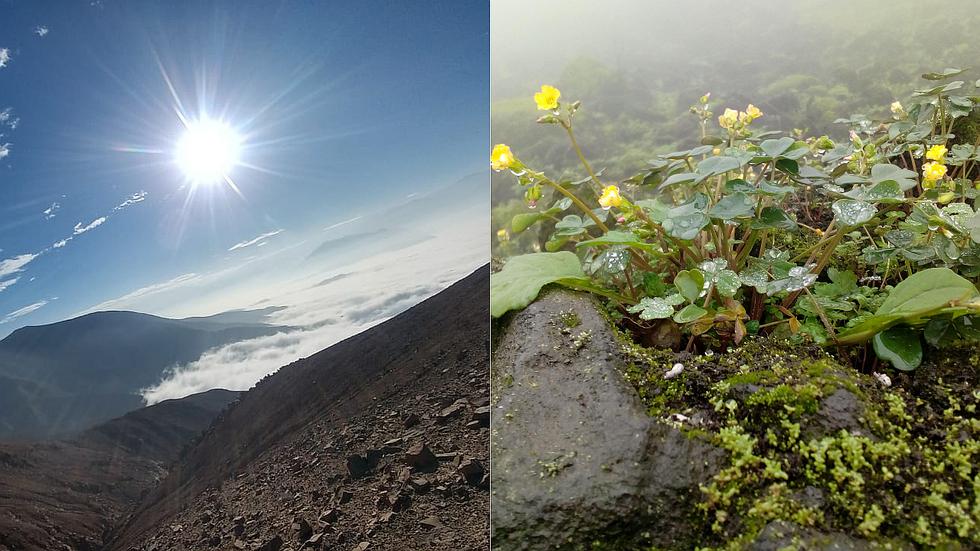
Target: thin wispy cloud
80,229
41,30
61,243
137,197
121,302
4,57
8,282
4,149
258,239
20,312
345,222
49,212
15,264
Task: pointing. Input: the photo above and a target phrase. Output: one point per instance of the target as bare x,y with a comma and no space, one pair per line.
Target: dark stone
482,416
472,470
273,544
315,541
447,414
410,420
575,456
431,523
420,485
330,515
358,465
302,529
842,410
778,535
420,457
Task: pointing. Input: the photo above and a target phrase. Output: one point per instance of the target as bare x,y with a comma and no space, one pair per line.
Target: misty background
638,65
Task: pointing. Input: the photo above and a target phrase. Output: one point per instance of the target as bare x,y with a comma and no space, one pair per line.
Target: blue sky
345,109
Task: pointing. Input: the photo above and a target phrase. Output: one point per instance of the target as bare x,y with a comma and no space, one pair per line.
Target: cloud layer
330,304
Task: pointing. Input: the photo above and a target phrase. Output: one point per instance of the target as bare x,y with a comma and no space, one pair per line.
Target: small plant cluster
876,238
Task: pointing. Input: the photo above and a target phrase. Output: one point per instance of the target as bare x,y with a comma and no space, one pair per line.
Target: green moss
910,471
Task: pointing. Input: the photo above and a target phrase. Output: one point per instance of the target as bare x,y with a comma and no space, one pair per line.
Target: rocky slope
378,442
67,494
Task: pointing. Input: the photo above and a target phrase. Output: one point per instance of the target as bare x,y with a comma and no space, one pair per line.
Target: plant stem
578,203
581,156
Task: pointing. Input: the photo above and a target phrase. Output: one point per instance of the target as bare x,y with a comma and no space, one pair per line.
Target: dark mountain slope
64,377
68,493
296,444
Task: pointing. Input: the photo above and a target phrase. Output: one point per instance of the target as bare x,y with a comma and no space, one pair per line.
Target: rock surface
575,456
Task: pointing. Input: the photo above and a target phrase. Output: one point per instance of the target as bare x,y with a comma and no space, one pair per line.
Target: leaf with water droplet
653,308
852,213
736,205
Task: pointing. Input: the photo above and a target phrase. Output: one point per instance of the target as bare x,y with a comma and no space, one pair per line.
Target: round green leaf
899,346
736,205
852,213
689,313
689,283
521,279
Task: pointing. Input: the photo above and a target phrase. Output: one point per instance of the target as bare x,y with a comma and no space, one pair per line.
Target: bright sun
208,151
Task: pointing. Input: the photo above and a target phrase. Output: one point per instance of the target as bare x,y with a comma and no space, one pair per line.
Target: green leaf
774,217
717,165
775,148
522,278
654,308
689,313
653,284
906,179
569,226
712,140
852,213
899,346
686,226
955,85
727,283
927,290
679,178
736,205
924,294
689,283
944,74
788,166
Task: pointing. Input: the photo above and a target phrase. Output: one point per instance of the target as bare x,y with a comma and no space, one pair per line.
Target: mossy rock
796,445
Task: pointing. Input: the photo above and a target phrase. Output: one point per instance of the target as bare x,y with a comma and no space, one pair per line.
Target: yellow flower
501,158
502,235
728,119
933,171
610,197
897,108
753,112
547,98
936,153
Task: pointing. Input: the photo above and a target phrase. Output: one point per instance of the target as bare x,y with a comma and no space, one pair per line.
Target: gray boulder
575,456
